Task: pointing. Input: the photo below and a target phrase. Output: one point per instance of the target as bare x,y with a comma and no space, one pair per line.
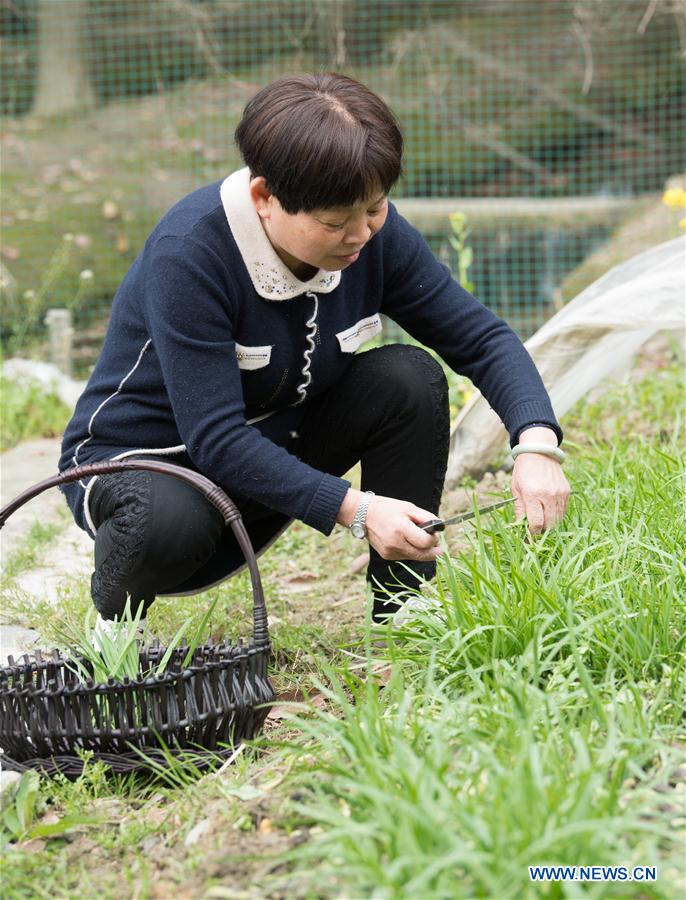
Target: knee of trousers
410,378
157,532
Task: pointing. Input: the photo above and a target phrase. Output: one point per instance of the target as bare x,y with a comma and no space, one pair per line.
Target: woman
231,349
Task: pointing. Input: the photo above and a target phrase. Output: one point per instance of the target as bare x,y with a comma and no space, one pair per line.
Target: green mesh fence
552,125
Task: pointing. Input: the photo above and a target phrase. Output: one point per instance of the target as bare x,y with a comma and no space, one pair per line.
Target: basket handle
212,492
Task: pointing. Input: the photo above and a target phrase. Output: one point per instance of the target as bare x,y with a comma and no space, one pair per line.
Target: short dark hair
320,140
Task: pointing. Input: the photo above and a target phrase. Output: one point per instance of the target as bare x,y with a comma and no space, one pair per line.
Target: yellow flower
675,198
682,222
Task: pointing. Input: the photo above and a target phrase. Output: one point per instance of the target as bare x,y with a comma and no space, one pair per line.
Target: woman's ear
262,198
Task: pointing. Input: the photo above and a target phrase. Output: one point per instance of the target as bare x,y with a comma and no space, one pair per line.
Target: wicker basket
47,714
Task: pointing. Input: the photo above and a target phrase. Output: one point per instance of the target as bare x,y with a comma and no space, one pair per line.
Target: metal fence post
61,337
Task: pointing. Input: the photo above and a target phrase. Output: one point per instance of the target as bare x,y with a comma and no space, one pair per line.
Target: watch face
357,531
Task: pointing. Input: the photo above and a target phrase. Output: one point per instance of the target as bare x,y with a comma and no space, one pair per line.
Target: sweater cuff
528,413
326,503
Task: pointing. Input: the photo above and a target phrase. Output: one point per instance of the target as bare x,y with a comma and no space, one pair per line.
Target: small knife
434,525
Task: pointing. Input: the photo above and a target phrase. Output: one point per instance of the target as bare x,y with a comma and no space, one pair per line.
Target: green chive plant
100,654
421,793
534,713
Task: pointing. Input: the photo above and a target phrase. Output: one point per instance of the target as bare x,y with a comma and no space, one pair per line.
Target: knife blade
435,525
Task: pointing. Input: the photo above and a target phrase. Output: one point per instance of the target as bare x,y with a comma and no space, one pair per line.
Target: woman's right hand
393,527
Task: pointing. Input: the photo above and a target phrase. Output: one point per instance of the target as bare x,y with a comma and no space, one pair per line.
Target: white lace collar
271,277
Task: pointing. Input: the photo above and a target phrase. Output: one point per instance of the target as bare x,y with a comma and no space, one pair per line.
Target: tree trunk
63,82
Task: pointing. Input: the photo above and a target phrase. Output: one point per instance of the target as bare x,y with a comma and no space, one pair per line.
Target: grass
617,561
535,712
29,412
534,715
40,537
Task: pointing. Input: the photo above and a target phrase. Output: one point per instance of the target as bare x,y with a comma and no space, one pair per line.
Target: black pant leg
153,532
390,412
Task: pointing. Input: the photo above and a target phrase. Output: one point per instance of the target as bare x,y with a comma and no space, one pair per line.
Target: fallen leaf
156,816
293,696
122,243
82,847
360,562
34,846
51,174
150,843
265,826
10,252
110,210
283,710
112,808
196,832
245,792
301,576
300,582
163,890
382,672
50,818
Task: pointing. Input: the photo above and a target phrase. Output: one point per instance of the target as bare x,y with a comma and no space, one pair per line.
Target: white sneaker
109,628
407,611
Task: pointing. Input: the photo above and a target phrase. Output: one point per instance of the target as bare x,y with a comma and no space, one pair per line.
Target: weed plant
113,652
608,586
535,711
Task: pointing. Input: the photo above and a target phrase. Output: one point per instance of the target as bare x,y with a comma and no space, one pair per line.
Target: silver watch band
358,527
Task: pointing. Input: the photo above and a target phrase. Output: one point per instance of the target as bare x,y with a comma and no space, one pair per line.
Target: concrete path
71,555
20,468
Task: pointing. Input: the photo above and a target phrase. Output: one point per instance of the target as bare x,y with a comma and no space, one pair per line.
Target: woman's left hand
539,486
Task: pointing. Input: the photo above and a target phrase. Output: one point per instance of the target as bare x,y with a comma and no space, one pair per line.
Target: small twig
203,42
647,16
229,762
585,42
342,602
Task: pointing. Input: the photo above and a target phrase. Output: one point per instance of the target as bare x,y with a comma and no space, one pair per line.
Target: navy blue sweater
214,348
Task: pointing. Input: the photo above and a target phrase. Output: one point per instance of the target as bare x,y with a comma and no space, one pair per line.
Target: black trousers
157,535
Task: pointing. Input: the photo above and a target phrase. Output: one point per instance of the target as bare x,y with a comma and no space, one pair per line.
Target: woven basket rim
37,661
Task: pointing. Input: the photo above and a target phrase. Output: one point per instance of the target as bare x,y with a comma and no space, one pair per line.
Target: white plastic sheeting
591,339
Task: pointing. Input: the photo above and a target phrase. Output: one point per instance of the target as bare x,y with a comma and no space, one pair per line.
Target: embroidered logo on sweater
253,357
360,333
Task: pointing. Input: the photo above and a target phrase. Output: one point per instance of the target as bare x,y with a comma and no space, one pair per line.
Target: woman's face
322,239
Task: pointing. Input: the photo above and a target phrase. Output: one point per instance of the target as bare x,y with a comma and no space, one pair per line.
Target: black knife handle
433,526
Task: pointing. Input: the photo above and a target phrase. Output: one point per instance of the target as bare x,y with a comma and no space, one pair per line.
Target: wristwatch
358,528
